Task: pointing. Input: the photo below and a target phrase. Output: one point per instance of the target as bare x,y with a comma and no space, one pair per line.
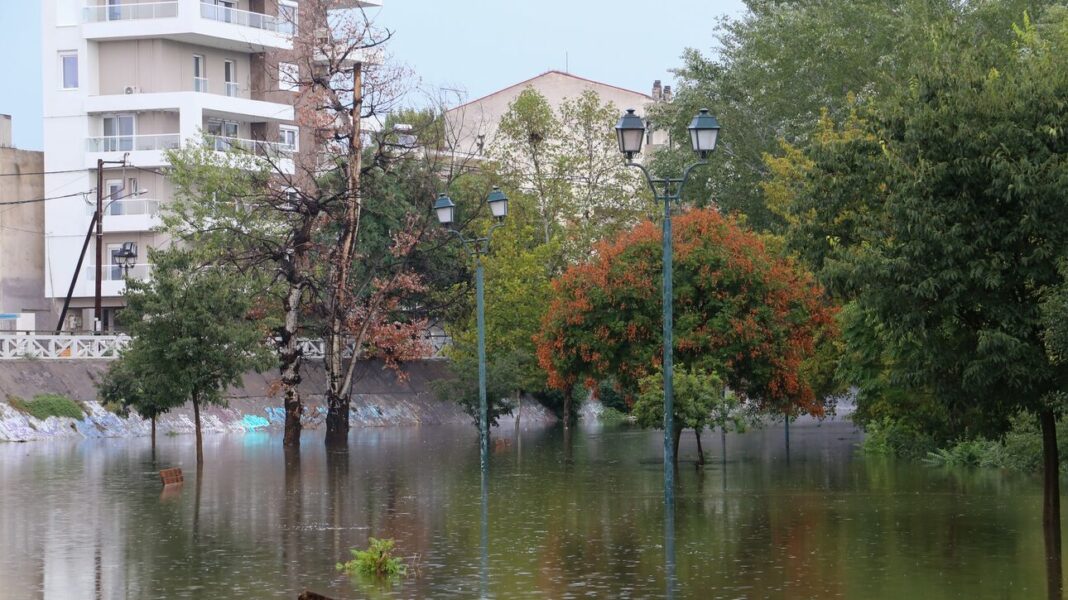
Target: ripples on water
87,520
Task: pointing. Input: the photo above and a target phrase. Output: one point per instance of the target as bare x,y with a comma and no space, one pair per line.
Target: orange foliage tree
754,318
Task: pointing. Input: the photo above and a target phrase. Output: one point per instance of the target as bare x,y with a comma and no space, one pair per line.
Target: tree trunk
700,451
786,420
337,419
289,364
153,435
200,439
567,410
1051,505
338,385
519,410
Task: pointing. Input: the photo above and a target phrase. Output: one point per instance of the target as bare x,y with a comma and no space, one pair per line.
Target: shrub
612,416
892,437
47,405
1019,450
377,561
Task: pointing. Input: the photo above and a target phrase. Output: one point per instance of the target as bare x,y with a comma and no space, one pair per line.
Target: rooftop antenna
567,65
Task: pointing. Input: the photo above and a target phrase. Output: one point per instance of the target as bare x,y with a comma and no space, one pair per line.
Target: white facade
130,79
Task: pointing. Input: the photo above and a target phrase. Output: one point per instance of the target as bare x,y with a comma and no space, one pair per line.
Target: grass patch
47,405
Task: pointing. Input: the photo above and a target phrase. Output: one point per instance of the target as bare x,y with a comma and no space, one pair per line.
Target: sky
476,46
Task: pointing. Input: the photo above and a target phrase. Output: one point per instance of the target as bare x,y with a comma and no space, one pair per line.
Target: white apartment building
130,79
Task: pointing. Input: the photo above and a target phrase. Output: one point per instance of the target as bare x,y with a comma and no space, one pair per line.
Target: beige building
21,236
473,125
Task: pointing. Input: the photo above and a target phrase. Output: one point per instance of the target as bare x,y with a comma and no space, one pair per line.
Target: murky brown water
87,520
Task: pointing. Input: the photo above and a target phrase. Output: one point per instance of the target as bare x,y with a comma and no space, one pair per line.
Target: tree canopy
740,311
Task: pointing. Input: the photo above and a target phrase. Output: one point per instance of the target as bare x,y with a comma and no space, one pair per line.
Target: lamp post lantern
445,209
704,132
127,256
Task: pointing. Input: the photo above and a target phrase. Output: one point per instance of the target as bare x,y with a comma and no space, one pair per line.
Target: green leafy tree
962,238
130,383
517,292
192,335
605,197
697,394
779,65
528,149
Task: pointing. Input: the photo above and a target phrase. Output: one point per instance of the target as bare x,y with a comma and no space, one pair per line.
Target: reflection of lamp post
446,212
127,256
630,131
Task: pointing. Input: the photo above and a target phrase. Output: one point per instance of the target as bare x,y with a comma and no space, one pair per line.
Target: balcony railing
241,17
200,84
131,11
127,207
133,143
232,88
127,11
118,273
257,147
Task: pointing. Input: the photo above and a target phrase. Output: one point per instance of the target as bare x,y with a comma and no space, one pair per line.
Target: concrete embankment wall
380,398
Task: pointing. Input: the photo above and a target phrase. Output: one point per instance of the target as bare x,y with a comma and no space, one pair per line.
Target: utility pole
98,312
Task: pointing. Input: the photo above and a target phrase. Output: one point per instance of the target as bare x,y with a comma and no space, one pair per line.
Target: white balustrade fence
62,346
50,347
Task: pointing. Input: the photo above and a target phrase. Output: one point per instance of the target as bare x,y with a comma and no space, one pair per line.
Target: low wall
380,398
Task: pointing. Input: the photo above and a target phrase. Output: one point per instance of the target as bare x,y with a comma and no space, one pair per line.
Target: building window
289,137
200,78
119,133
287,16
288,77
230,77
68,66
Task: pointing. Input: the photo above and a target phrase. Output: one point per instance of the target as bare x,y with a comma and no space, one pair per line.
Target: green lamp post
630,132
445,209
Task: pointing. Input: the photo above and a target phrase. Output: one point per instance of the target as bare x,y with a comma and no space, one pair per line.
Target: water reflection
483,522
552,520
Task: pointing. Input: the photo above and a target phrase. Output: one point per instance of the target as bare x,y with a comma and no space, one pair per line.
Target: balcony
113,281
128,214
212,104
256,147
118,273
188,21
143,150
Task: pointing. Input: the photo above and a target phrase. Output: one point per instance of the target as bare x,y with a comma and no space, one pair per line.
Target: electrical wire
42,173
36,200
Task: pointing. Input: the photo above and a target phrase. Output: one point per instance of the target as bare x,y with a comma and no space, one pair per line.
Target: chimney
5,131
667,93
657,94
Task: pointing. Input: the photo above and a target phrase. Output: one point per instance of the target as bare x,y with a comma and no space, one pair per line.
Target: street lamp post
477,247
630,132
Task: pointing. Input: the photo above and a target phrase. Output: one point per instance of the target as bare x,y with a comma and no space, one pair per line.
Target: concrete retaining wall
382,398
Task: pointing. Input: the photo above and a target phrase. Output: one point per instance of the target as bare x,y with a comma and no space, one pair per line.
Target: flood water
83,520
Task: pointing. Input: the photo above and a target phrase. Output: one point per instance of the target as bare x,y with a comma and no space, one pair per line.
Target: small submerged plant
376,561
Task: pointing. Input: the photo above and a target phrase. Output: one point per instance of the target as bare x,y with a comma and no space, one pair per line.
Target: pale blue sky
475,45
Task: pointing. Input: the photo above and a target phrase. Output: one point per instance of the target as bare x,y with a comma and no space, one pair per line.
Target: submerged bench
171,476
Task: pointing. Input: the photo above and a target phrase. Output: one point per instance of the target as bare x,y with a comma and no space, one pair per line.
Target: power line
36,200
43,172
